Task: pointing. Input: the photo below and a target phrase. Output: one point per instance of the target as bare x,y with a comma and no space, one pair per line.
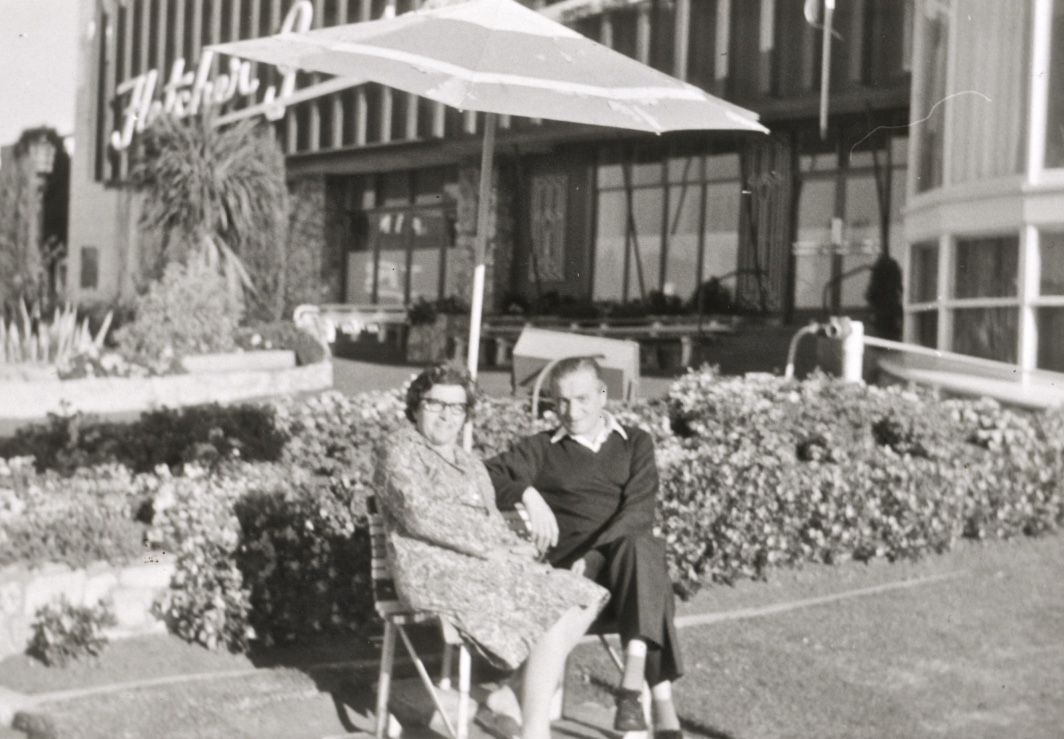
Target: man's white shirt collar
594,444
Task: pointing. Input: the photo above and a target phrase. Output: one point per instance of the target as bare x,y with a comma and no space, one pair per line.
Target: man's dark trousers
642,604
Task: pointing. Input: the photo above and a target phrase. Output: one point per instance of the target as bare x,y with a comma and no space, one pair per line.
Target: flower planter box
268,359
131,588
28,401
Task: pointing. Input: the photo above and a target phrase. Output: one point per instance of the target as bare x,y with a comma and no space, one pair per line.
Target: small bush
305,557
63,633
207,602
188,311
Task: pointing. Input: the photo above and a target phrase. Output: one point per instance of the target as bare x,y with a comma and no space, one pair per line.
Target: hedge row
756,473
204,434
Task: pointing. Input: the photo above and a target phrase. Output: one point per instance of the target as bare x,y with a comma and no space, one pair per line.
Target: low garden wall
107,395
131,589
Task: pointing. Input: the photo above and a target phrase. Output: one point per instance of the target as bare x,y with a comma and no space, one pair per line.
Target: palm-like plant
218,194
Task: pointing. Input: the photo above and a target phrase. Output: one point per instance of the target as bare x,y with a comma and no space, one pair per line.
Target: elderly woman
454,554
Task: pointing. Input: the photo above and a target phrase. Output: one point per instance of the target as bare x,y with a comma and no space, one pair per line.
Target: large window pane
722,167
681,267
925,328
722,231
425,274
1051,248
1055,114
609,246
359,277
862,235
813,259
391,276
987,132
452,262
923,273
986,268
647,204
1051,339
989,333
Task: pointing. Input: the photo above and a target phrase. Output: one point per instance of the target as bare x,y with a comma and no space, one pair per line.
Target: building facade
985,222
786,224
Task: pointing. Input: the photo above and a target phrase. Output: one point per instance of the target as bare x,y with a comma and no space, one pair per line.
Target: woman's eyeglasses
439,406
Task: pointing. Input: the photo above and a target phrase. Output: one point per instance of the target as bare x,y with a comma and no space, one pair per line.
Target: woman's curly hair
445,373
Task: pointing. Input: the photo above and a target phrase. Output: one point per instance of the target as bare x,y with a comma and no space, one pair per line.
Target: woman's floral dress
448,543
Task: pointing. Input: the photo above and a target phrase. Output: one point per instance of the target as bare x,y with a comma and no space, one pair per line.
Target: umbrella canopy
497,56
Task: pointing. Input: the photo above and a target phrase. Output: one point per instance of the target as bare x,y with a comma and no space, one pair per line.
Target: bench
505,331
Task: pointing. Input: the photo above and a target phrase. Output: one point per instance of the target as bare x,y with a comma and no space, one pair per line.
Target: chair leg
463,691
384,680
617,660
426,680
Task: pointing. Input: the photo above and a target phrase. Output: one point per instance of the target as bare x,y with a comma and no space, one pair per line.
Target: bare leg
665,717
635,659
543,670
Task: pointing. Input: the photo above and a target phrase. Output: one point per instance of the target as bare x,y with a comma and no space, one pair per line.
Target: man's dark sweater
597,497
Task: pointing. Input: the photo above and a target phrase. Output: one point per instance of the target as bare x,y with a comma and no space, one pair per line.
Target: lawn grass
977,655
981,655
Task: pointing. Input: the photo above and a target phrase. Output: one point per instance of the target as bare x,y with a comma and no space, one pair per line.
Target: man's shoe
498,725
629,715
668,734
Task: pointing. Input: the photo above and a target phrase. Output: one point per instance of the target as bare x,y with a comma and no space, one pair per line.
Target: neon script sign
187,92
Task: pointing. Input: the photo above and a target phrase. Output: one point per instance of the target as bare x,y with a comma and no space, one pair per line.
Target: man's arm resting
512,472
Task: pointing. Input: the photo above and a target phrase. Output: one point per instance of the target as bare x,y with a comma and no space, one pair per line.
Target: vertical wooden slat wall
124,71
365,9
161,28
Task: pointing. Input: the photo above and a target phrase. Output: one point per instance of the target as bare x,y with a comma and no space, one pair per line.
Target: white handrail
901,346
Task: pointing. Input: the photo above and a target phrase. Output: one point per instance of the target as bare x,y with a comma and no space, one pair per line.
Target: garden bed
268,524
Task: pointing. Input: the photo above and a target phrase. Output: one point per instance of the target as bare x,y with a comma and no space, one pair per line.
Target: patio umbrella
500,58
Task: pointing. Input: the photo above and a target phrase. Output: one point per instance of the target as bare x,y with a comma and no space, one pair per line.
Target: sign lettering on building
188,91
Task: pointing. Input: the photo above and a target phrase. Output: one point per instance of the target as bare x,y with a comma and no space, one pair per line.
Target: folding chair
397,616
601,628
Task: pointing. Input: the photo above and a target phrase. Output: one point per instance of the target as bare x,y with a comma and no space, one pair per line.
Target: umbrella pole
476,309
480,245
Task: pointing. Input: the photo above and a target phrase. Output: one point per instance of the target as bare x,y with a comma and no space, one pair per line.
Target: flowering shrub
63,633
204,433
305,557
333,435
207,602
755,473
110,364
77,520
188,311
767,472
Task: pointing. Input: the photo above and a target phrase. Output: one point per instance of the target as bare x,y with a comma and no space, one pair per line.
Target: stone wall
132,589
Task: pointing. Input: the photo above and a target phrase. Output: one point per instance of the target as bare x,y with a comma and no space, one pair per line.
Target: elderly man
589,488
